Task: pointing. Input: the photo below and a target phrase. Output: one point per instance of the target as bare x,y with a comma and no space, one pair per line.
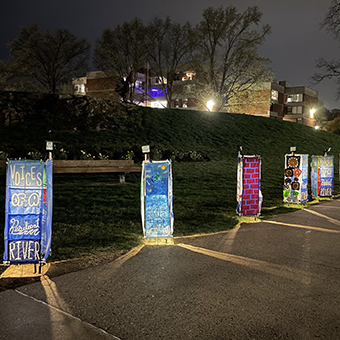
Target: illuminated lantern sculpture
156,199
249,196
296,178
28,215
322,176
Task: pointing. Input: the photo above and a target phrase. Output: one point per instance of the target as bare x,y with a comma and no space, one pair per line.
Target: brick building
148,90
279,100
95,84
270,99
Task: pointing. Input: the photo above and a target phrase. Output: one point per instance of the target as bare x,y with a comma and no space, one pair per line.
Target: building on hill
148,89
279,100
300,105
182,97
270,99
95,84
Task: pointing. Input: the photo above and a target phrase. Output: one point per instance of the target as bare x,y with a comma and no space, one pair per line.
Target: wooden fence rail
92,166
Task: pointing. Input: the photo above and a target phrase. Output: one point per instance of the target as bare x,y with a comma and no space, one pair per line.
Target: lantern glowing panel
156,199
296,178
28,216
249,196
322,176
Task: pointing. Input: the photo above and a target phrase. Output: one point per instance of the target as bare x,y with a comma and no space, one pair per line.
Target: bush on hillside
333,126
53,112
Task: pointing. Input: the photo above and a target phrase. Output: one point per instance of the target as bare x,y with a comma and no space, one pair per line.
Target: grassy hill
93,212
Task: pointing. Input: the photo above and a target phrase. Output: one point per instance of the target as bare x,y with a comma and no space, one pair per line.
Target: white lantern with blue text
28,214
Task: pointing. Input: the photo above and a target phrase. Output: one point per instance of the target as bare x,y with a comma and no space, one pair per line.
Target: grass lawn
95,212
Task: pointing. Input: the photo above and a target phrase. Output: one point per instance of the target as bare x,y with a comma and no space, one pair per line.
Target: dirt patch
15,276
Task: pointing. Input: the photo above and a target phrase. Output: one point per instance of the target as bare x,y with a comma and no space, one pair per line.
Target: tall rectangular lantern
249,196
28,215
322,176
296,178
156,199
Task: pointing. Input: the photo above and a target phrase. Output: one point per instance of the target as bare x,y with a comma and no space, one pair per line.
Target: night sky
294,45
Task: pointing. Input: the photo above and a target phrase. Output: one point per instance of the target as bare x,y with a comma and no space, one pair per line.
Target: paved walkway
275,279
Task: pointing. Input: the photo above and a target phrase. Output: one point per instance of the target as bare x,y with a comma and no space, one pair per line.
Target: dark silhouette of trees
221,49
45,61
225,56
120,54
330,69
156,48
169,46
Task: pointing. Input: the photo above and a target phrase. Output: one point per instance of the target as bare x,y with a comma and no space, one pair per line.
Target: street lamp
312,111
210,105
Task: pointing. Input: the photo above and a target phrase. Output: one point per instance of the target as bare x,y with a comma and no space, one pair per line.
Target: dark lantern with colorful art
296,178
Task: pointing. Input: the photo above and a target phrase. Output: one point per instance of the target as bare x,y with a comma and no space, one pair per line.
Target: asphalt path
274,279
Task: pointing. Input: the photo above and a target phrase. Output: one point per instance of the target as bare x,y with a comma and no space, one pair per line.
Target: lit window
274,95
160,80
139,84
159,104
154,92
296,109
189,76
294,98
80,88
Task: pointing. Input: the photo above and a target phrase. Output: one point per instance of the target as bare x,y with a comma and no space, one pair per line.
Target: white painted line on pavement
326,206
69,315
303,227
266,267
332,220
231,237
200,235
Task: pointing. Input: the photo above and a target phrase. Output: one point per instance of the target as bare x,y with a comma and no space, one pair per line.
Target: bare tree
330,69
226,57
45,60
332,19
169,45
120,53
